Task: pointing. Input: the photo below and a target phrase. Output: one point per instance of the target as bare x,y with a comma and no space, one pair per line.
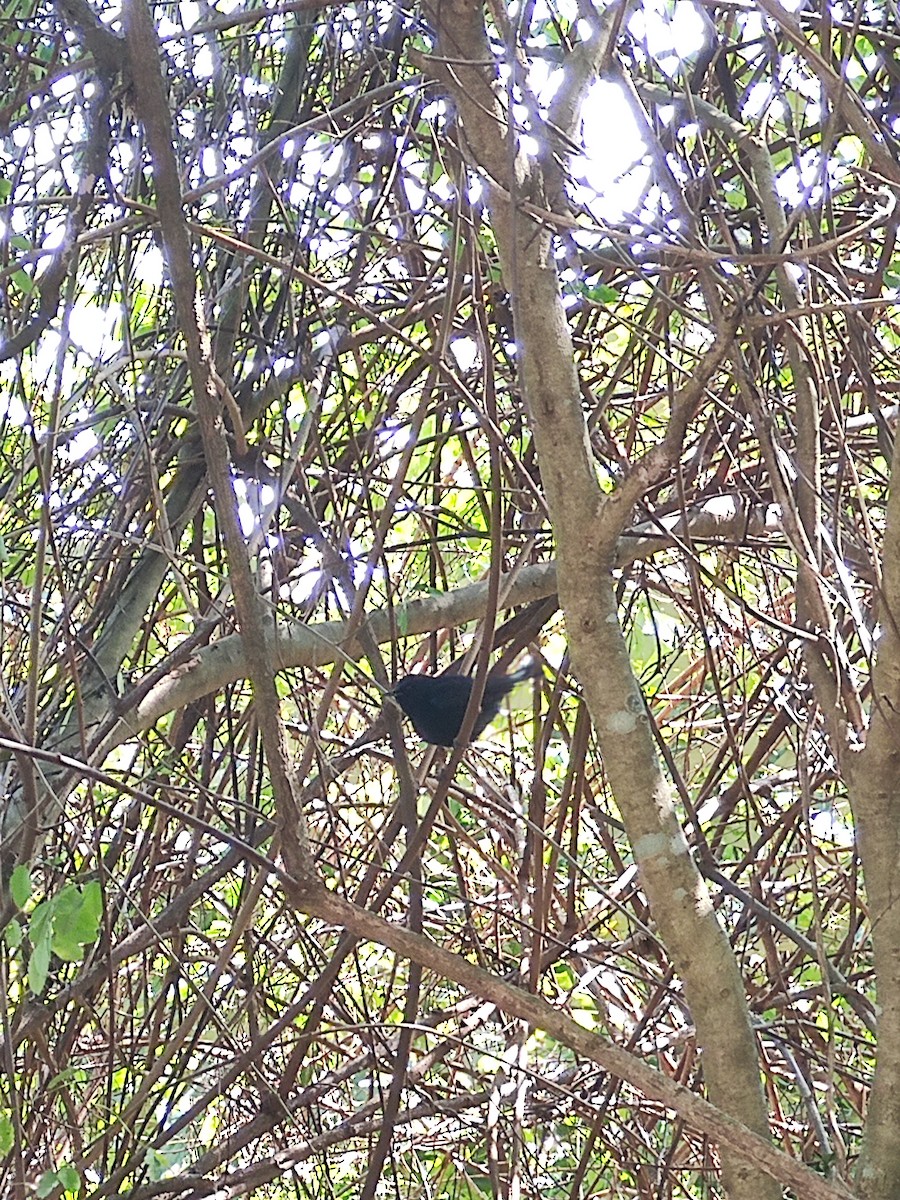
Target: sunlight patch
671,37
465,351
610,169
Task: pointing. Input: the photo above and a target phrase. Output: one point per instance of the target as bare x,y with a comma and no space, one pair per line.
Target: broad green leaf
20,885
39,966
7,1133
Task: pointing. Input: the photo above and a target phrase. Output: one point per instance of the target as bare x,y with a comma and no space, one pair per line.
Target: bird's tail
528,670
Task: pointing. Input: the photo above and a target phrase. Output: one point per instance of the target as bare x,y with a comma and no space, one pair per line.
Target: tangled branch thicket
200,1035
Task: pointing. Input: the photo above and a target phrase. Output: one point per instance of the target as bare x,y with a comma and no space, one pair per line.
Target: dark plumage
436,704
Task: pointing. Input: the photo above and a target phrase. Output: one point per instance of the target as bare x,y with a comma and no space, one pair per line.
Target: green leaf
20,885
93,902
39,966
23,282
69,1178
77,920
47,1183
7,1133
41,924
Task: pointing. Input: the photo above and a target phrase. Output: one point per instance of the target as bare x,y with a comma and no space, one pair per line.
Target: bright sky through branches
611,176
610,179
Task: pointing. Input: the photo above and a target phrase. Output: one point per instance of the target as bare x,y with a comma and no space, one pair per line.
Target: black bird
436,704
